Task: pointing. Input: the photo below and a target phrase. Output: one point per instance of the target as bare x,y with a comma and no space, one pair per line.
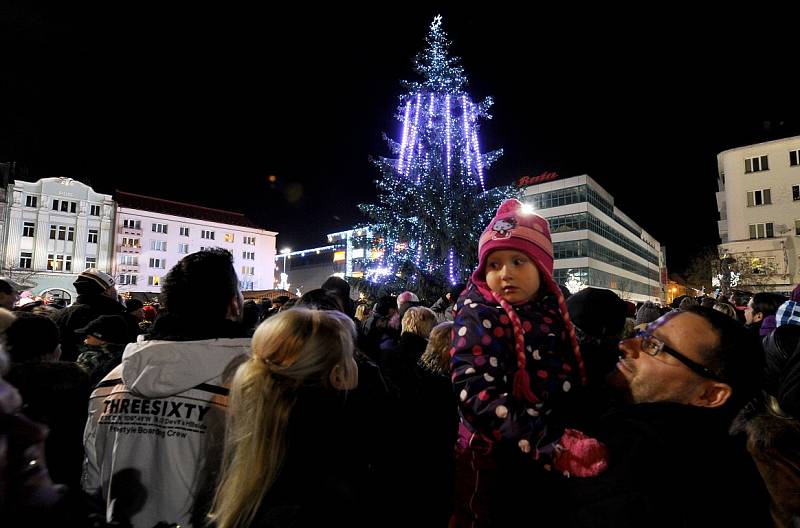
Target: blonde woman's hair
726,308
419,320
293,349
361,312
437,354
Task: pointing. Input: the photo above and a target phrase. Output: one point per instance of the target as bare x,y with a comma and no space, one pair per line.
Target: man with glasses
672,461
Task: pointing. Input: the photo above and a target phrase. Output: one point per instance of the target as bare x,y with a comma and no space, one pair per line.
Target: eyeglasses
651,345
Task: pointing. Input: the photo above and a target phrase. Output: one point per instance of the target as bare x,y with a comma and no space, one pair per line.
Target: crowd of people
505,402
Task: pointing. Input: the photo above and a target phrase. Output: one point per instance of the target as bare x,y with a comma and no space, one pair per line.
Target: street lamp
285,252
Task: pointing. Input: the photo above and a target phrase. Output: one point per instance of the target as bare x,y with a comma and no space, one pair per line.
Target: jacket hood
156,369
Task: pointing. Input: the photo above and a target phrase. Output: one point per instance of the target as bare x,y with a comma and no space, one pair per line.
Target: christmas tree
433,195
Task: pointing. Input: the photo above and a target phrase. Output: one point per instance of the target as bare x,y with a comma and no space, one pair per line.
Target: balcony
130,250
129,231
128,268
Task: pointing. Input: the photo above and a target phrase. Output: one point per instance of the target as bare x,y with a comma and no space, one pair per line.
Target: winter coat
670,465
154,435
99,360
399,363
484,364
55,394
86,309
443,309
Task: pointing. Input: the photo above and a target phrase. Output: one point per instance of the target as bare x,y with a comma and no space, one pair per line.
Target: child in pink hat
514,356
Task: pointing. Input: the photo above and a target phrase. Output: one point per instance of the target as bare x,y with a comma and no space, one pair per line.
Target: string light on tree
432,195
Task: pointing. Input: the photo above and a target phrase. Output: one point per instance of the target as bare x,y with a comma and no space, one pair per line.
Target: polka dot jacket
483,363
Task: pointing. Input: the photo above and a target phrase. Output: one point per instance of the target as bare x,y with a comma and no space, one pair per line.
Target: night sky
157,100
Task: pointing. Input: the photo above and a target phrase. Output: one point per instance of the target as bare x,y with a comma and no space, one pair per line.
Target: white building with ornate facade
56,228
151,235
758,200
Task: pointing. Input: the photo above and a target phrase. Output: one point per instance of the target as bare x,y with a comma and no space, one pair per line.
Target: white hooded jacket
154,435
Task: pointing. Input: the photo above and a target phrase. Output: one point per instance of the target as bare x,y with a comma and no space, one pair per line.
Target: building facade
758,200
55,228
594,242
151,235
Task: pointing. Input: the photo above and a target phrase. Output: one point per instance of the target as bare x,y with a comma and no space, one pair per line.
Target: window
757,164
27,229
95,211
158,263
70,234
26,260
160,228
132,224
795,192
73,207
763,265
152,280
126,280
184,231
228,237
248,270
64,206
207,234
59,263
250,241
249,255
794,159
762,197
30,201
246,285
796,227
91,262
158,245
55,205
92,236
130,242
762,230
129,260
183,248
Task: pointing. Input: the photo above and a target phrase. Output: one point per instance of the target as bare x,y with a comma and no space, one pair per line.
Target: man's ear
712,394
234,308
758,317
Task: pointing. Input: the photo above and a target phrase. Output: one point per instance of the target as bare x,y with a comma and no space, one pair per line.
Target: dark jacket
670,465
86,309
56,395
318,484
399,363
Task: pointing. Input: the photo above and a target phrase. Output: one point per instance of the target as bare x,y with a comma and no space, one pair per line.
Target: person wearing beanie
514,356
103,345
97,295
647,313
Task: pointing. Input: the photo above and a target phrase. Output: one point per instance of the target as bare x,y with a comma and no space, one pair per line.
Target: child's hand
578,455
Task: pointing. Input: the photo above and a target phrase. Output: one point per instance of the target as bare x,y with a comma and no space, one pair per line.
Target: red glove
578,455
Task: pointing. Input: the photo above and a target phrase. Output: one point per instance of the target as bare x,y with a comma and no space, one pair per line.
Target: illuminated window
228,237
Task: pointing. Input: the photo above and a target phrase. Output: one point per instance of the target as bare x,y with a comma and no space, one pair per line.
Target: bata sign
532,180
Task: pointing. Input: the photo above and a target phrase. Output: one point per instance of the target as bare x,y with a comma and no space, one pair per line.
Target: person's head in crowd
292,350
782,370
106,329
266,304
9,293
386,306
279,301
699,357
95,282
320,299
418,320
203,288
6,318
707,302
250,314
405,301
437,354
687,302
597,312
32,338
361,312
630,309
288,305
727,309
135,308
150,313
647,313
340,288
761,306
